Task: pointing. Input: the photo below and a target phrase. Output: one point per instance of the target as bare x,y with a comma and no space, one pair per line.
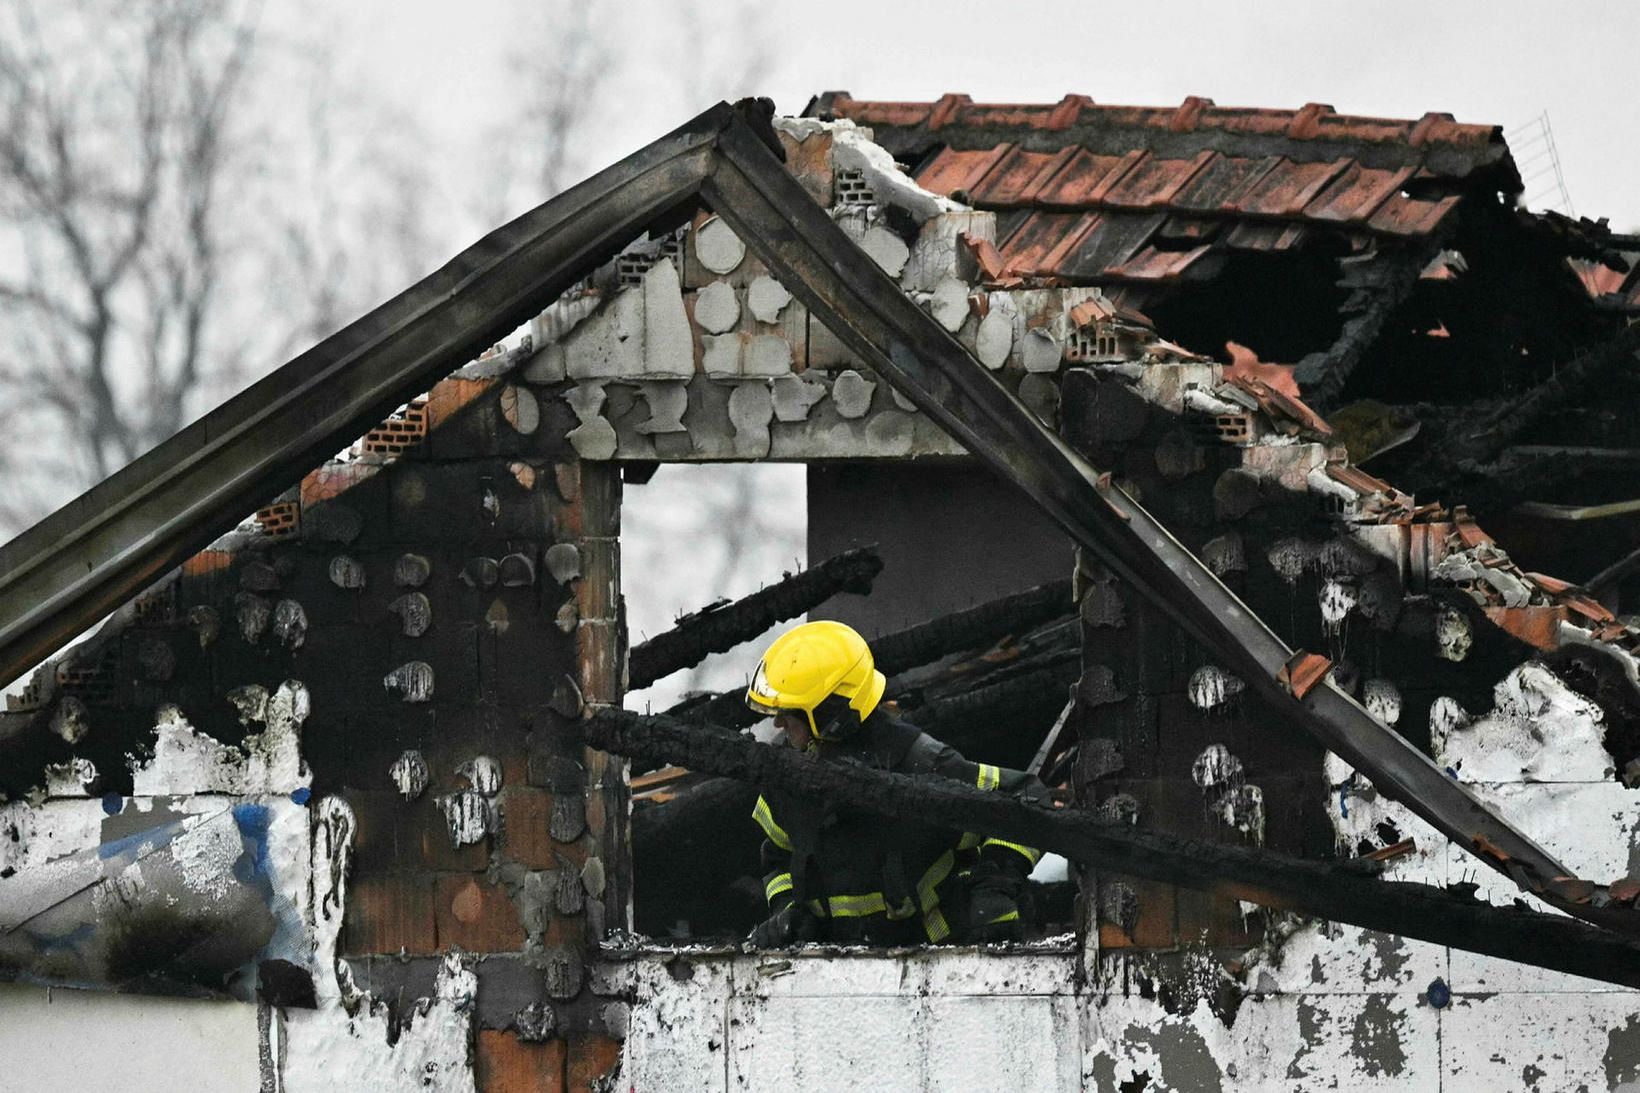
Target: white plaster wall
94,1042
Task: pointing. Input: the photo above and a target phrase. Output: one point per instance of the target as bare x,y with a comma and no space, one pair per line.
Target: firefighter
839,874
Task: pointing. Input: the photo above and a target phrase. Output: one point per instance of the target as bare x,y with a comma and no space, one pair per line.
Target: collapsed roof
1370,253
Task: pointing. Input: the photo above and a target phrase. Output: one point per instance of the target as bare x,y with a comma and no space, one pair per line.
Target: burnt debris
720,627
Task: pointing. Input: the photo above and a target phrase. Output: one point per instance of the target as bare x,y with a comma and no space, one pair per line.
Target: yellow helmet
809,664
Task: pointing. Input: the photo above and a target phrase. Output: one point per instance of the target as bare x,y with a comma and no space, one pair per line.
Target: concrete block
721,358
851,394
886,249
717,307
1540,1042
794,397
822,1043
949,303
765,298
994,338
1040,351
594,440
1002,1042
937,255
667,403
751,408
668,343
675,995
610,342
717,246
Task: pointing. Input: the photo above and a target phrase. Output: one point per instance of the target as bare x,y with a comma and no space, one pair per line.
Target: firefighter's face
796,728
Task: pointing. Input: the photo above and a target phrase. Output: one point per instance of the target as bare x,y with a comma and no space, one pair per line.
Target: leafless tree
185,201
116,143
561,59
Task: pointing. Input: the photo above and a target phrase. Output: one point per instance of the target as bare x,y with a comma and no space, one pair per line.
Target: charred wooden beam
1625,566
1570,380
1322,376
720,627
967,712
1043,646
972,628
725,709
1327,890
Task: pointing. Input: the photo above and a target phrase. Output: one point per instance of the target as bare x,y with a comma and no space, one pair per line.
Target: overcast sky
1495,62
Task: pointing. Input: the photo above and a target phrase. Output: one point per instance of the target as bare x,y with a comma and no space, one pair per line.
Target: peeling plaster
410,774
886,249
765,297
717,309
1382,700
350,1041
1453,635
718,247
412,682
1211,687
851,394
1538,730
268,762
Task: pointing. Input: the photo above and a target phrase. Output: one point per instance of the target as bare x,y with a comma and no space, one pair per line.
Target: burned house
1083,393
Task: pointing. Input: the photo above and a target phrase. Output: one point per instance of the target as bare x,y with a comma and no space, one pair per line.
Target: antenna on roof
1533,145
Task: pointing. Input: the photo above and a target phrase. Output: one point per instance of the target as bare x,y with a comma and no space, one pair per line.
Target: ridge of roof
1197,115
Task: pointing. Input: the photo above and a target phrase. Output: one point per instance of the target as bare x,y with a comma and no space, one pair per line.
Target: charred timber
1570,380
971,628
1322,376
721,627
990,704
1331,891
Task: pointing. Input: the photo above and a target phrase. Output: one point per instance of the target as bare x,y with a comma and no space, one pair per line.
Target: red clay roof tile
1077,184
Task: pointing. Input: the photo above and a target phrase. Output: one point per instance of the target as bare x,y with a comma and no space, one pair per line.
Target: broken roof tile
1152,263
1357,479
1287,188
1402,215
1086,178
1254,235
1247,179
1356,193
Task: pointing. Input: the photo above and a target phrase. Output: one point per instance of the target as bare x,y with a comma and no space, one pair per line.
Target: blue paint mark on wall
253,823
153,839
113,804
301,794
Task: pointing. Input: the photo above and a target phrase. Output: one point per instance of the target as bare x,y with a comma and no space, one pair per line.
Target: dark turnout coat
879,879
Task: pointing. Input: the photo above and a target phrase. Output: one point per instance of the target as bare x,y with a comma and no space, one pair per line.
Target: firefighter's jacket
852,865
